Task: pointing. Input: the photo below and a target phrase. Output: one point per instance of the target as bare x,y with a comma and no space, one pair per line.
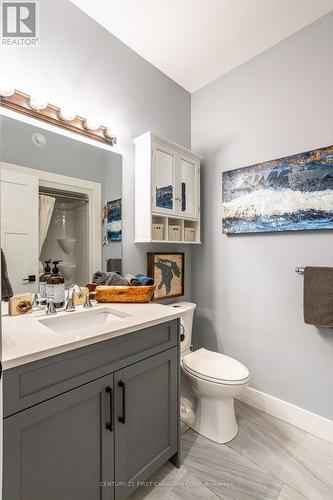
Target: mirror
60,201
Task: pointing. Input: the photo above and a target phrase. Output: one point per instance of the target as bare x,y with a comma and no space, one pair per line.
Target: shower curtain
46,206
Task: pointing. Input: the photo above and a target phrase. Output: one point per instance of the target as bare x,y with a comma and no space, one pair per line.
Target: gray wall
80,64
249,297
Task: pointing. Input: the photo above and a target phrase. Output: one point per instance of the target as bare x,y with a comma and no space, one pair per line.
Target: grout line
283,485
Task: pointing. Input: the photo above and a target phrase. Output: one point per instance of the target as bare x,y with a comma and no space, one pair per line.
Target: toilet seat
215,367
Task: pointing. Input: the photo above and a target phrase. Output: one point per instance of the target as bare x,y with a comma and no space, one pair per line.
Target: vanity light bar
38,108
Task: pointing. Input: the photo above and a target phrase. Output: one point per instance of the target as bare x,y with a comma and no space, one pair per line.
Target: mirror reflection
60,207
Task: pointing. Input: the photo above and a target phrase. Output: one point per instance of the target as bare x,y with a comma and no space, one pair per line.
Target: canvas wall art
167,271
112,221
293,193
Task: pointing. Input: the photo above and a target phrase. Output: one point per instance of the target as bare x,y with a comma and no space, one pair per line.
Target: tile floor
267,460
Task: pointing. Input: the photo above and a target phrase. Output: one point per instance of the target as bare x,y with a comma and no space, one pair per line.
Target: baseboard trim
310,422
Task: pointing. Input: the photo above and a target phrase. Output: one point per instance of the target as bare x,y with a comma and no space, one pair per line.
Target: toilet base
216,420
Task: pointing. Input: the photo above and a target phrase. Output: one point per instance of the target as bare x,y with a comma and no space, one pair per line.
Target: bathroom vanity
90,418
91,397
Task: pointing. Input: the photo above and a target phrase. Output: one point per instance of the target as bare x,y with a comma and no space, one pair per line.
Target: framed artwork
167,270
112,221
164,197
294,193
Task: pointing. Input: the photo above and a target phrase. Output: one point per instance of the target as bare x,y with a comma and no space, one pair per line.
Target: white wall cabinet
167,192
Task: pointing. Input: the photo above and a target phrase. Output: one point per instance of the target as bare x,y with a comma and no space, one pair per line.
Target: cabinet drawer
32,383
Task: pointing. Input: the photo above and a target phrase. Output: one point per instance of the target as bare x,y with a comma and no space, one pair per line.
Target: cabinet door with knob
62,448
175,183
145,419
189,186
165,193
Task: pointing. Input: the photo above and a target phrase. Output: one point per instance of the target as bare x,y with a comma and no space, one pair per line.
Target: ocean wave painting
113,220
293,193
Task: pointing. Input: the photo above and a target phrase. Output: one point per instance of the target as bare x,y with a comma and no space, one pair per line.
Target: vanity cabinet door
146,408
62,449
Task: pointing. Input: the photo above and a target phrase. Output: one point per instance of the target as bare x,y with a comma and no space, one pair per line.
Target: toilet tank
187,312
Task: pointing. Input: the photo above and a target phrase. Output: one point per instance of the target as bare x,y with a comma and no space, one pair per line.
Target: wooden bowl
128,294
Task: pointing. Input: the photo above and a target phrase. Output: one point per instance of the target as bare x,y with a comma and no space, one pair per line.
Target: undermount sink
79,320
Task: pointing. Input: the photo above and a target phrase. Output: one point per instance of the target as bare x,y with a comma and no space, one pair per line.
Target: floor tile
268,460
162,482
190,488
226,472
293,456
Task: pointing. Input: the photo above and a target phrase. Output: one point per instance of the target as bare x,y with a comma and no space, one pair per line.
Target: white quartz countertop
30,337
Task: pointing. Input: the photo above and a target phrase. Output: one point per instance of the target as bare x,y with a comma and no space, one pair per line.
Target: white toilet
214,379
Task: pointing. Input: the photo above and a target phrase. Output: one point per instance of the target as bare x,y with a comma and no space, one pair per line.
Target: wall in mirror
60,201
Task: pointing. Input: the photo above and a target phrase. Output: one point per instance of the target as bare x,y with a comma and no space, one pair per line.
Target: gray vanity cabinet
145,419
61,448
92,423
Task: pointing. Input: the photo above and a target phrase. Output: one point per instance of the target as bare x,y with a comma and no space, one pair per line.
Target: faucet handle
50,307
87,303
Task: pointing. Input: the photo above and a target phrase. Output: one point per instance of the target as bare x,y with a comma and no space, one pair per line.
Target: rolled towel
132,280
100,278
144,280
115,279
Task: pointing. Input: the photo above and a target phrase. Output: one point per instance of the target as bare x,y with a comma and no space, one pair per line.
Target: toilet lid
215,367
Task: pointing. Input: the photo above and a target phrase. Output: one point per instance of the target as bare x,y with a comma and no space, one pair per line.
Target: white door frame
76,185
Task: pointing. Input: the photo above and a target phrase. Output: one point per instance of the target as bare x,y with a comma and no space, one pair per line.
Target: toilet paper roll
187,411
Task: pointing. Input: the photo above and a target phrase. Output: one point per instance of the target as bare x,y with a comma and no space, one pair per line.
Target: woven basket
129,294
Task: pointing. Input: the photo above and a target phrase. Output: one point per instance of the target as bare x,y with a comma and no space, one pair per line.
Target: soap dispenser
44,276
56,286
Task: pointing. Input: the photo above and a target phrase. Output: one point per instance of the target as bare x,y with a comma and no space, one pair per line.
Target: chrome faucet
70,303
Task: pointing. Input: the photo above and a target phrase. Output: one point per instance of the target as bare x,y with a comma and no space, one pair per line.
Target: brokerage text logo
19,23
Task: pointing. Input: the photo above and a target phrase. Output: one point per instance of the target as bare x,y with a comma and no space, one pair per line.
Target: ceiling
196,41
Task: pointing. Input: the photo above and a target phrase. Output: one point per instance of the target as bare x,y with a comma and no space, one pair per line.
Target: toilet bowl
214,380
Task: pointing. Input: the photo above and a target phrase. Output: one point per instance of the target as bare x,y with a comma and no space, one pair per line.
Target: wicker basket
129,294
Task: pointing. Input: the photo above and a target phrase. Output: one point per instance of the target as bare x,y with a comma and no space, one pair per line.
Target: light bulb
6,91
91,124
67,115
108,133
38,103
